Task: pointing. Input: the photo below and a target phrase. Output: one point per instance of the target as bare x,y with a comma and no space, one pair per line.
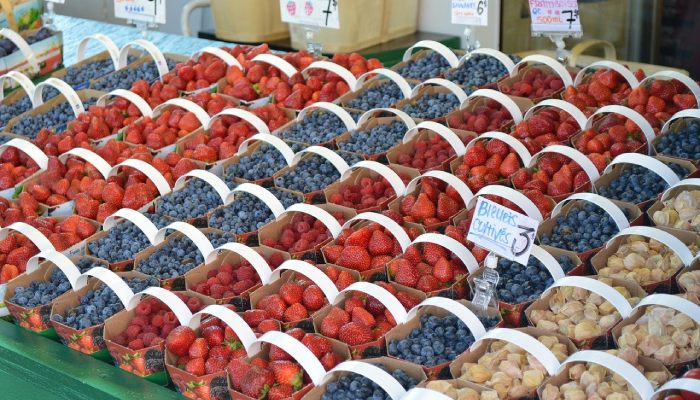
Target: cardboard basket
430,90
104,55
424,136
48,55
675,126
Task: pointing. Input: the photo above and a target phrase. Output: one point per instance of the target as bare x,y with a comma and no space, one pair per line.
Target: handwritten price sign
321,13
555,16
502,231
470,12
141,10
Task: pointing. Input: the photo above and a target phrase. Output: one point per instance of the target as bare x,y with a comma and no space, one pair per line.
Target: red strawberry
663,89
280,391
236,370
355,334
257,381
423,208
380,244
446,207
180,339
287,372
355,257
475,156
313,298
509,165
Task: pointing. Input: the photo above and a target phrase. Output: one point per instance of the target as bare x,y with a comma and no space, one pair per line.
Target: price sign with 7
470,12
321,13
555,17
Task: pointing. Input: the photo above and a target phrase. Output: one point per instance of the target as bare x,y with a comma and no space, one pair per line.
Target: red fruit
355,334
423,208
380,244
287,372
354,257
256,381
663,89
475,156
180,339
539,125
291,293
313,298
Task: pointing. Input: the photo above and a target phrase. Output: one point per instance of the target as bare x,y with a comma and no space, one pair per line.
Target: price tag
470,12
141,10
502,231
321,13
555,16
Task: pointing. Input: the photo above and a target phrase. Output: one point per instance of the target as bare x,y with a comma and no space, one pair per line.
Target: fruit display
484,164
431,64
524,283
126,77
662,99
123,241
312,174
426,151
29,125
194,75
90,71
303,233
638,184
380,96
434,203
614,135
452,390
489,117
534,84
679,212
683,143
248,213
431,106
602,88
317,127
479,70
548,126
22,105
356,386
8,47
375,140
16,167
365,194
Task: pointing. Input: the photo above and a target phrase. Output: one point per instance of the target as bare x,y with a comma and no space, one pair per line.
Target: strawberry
446,207
332,253
539,125
475,156
329,361
256,381
685,101
180,339
313,298
509,165
521,178
136,196
362,316
443,271
236,370
406,275
423,208
355,334
663,89
495,146
354,257
287,372
330,327
280,391
380,244
291,293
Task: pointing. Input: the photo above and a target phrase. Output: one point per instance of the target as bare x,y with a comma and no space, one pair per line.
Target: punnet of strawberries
547,127
556,174
15,166
534,84
489,117
489,163
194,75
613,136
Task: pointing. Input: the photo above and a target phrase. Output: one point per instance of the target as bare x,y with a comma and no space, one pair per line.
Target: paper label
555,16
502,231
3,309
470,12
321,13
141,10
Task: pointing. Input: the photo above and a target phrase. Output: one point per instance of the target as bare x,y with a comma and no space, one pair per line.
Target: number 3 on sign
470,12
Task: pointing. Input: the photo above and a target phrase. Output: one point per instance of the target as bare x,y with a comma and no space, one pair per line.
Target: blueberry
317,127
431,65
378,139
125,78
92,70
382,95
431,106
53,118
479,70
638,184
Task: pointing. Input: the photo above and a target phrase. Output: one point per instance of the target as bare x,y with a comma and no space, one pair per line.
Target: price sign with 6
560,16
470,12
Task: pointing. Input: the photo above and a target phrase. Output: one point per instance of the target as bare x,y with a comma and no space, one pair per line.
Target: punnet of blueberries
125,78
430,66
638,184
99,304
582,229
92,70
479,70
24,104
312,174
262,164
194,200
379,96
684,143
375,140
30,125
8,47
437,341
178,256
431,106
248,213
124,240
317,127
522,283
358,387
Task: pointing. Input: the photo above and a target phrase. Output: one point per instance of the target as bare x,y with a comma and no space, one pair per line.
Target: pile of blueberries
582,229
379,96
317,127
479,70
248,213
430,66
355,386
378,139
9,111
178,256
638,184
194,200
437,341
683,144
125,78
8,47
92,70
313,174
99,304
42,293
519,283
124,240
262,164
30,125
432,106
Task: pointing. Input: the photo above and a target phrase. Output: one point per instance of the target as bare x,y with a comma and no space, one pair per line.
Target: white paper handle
388,223
318,213
510,194
410,123
256,260
457,184
337,110
398,80
29,148
23,47
381,169
387,299
690,113
139,220
556,66
22,80
135,99
195,235
684,182
533,346
198,111
298,351
147,169
436,47
689,83
65,89
176,305
642,123
111,47
277,62
666,238
456,90
423,393
109,278
213,181
647,162
273,141
230,60
608,206
688,384
245,115
230,318
502,99
61,261
30,232
675,302
457,309
385,381
616,365
452,245
548,261
562,105
155,53
520,149
586,165
446,133
625,72
503,58
347,76
310,271
98,162
337,161
263,194
592,285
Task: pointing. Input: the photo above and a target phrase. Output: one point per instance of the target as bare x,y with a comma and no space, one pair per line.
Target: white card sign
502,231
470,12
555,16
321,13
141,10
